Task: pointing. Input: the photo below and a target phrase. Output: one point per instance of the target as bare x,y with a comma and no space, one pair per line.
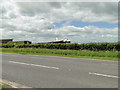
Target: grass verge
104,55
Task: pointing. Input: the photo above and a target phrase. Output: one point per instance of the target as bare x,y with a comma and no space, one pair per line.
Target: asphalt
39,71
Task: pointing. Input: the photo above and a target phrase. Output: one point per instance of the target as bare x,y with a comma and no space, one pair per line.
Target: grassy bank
105,55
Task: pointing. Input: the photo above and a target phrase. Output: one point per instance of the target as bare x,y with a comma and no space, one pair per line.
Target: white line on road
104,75
33,65
12,84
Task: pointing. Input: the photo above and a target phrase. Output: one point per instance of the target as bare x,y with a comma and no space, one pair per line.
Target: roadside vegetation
105,55
2,88
106,51
69,46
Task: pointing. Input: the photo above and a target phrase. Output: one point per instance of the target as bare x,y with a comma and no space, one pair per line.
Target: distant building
22,42
57,41
61,41
5,40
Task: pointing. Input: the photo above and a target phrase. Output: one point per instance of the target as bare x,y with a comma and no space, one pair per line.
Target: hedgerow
71,46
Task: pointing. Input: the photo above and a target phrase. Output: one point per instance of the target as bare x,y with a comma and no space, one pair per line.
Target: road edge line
13,84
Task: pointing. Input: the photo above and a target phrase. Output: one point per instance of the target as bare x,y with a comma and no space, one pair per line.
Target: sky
80,22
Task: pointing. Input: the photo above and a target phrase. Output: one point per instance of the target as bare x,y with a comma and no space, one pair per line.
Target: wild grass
2,88
104,55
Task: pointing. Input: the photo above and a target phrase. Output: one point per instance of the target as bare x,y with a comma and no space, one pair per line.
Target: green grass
2,88
105,55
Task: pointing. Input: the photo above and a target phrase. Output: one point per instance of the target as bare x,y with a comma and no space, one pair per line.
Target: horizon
63,39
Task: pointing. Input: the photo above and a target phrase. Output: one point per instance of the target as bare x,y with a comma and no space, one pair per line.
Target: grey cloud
35,7
59,11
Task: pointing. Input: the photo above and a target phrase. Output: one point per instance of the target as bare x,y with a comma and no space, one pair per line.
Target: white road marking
33,65
13,84
104,75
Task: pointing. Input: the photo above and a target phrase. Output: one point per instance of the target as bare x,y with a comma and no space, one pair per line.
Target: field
105,55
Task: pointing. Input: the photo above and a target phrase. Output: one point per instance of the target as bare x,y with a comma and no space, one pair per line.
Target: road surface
39,71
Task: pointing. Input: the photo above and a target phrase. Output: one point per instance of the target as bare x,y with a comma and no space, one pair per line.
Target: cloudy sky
81,22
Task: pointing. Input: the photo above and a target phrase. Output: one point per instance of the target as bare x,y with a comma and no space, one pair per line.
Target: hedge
19,42
71,46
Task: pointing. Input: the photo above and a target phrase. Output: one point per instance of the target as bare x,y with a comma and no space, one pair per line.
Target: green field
105,55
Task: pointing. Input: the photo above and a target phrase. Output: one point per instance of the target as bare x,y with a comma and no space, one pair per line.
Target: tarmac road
41,71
